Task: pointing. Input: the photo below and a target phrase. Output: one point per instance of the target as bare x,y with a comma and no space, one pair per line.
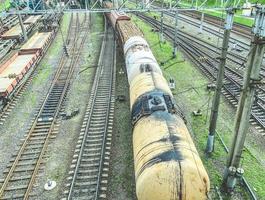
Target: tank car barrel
167,164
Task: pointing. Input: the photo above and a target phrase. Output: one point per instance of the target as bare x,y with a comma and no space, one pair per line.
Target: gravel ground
60,150
13,130
122,183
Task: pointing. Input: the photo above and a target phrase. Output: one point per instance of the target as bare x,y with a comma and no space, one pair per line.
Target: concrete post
201,24
1,24
219,84
86,4
175,36
28,5
251,78
22,27
60,6
162,27
116,4
147,3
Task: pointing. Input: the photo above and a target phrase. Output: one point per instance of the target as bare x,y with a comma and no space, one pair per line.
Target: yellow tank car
167,164
147,82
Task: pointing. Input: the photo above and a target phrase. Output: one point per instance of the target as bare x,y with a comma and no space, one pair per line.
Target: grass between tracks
191,94
209,3
238,18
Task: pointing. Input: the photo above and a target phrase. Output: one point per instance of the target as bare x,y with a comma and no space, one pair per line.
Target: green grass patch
208,3
237,18
5,5
191,94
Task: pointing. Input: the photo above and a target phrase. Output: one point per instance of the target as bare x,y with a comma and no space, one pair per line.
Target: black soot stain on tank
173,154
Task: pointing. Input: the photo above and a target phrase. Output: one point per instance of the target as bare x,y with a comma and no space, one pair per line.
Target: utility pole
162,27
147,3
192,3
201,24
28,5
175,36
22,25
221,70
251,78
1,24
86,4
60,6
116,5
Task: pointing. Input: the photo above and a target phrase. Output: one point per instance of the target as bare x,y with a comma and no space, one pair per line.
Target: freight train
167,164
15,71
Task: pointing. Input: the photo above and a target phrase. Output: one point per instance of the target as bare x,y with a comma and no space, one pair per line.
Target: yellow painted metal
147,82
167,164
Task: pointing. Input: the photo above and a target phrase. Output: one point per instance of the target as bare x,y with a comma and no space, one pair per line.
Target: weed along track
23,169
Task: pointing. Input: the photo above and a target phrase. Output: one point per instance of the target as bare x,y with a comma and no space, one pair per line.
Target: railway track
232,56
88,175
232,80
6,109
238,29
218,33
8,22
20,175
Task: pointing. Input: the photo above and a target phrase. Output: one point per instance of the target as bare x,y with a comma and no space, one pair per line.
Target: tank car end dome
135,40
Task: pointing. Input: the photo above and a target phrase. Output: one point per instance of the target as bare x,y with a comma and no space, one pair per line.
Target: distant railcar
117,16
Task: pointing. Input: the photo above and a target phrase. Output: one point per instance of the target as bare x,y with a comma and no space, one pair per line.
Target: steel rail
243,45
213,63
95,86
24,83
69,75
38,162
10,173
240,29
94,101
111,95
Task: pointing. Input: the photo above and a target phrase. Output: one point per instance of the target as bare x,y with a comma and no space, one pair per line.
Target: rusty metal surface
37,41
14,70
18,65
14,32
5,83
